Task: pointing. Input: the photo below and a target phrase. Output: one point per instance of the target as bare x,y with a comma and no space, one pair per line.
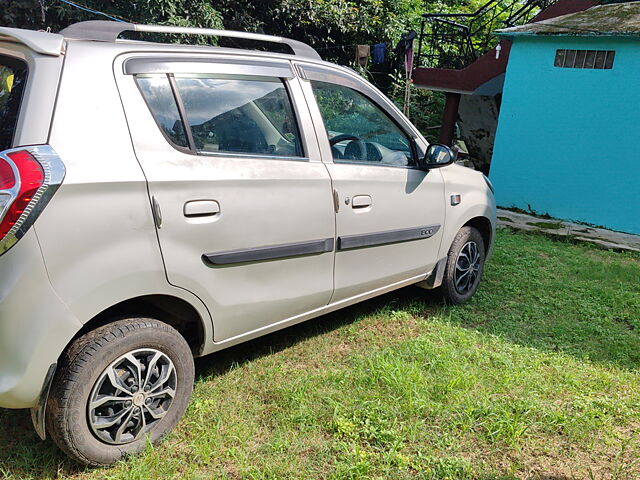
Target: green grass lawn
537,377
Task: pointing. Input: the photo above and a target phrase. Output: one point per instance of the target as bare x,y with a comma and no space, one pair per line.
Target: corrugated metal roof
621,19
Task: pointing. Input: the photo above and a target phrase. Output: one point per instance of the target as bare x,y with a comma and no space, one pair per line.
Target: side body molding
313,247
274,252
349,242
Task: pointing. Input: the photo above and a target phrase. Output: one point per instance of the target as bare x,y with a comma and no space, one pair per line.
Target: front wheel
118,386
465,264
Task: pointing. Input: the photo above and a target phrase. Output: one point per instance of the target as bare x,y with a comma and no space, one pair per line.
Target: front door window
359,131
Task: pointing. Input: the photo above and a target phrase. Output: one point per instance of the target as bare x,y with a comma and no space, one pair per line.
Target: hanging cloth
408,61
404,50
404,45
362,55
379,52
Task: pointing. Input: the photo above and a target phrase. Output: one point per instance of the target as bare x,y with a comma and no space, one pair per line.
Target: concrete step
601,237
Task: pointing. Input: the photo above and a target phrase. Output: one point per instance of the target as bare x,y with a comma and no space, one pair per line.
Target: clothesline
91,10
336,46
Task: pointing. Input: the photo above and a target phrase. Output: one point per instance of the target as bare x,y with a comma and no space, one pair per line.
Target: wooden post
449,118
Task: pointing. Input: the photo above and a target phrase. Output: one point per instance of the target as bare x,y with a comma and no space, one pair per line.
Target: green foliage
21,14
56,15
331,26
425,107
334,27
323,23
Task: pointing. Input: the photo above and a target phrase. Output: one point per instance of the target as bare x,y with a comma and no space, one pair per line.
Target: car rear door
242,201
390,213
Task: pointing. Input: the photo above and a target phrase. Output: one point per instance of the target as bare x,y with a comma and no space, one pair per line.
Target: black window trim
182,112
192,150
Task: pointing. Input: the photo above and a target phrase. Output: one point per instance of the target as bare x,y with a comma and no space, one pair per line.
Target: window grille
594,59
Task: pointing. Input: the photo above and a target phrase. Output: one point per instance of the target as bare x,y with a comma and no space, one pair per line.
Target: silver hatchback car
160,202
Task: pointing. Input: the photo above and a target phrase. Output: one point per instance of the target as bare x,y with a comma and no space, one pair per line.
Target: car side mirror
437,156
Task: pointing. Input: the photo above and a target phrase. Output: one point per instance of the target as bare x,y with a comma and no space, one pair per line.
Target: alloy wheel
467,268
131,396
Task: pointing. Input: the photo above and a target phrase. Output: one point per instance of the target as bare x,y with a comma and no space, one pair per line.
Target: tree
56,14
333,27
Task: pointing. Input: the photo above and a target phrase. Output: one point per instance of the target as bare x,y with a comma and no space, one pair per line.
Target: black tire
455,289
70,419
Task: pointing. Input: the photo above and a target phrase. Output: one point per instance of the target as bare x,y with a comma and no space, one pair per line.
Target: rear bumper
35,324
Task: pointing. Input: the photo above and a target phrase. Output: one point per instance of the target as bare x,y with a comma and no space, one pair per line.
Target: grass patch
537,377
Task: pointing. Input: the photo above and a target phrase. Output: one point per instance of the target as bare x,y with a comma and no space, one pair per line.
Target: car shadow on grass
221,362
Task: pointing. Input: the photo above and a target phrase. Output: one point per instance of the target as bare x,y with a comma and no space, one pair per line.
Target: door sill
217,346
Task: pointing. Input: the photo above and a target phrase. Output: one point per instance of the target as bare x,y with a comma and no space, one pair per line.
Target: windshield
13,76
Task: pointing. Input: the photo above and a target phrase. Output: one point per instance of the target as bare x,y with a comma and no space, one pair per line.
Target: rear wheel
465,264
118,386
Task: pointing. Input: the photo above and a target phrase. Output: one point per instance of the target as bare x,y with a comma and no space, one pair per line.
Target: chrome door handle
201,208
361,201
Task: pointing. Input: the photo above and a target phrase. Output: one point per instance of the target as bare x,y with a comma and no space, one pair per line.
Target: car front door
389,213
242,201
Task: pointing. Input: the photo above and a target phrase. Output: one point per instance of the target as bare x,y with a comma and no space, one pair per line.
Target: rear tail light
29,176
7,177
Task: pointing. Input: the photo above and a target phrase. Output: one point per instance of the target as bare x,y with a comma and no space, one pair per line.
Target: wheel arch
484,226
172,310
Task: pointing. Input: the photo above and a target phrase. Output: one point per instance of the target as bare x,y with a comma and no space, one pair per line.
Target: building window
596,59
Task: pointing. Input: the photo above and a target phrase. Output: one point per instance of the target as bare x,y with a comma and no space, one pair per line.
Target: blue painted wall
567,139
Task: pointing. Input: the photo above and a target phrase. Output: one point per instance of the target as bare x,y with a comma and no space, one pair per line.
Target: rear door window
13,78
158,94
233,114
246,115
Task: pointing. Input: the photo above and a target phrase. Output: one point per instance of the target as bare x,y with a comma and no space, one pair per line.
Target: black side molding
269,253
349,242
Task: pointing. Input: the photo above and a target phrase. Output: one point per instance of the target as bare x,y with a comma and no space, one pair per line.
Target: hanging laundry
379,52
362,55
408,61
404,45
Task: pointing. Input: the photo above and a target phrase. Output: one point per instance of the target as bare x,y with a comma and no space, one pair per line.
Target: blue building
566,141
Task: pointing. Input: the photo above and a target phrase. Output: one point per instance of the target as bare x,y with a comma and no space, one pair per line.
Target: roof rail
107,31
